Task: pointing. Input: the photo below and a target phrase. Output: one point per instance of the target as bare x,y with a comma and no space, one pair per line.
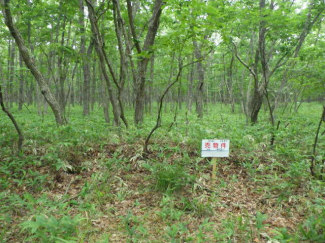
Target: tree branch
132,27
242,62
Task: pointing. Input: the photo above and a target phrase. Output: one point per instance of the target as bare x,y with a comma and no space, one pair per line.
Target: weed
198,208
283,235
133,227
169,211
204,227
260,218
313,229
171,178
176,232
52,229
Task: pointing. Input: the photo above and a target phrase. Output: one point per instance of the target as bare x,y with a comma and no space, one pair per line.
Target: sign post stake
214,168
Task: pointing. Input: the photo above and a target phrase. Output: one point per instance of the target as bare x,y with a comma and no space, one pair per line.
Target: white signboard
215,148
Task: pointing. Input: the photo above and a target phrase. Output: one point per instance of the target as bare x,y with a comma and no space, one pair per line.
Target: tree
144,54
85,63
30,63
272,52
105,64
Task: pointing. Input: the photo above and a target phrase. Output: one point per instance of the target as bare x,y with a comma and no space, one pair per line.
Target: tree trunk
12,75
190,87
85,60
62,63
200,85
150,91
21,85
255,105
230,84
105,104
93,85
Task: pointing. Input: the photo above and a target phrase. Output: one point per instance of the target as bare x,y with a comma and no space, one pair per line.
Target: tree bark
105,104
93,85
12,56
62,69
200,85
230,84
190,86
150,88
21,85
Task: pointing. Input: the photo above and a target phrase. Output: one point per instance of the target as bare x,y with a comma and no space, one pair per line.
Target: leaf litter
126,200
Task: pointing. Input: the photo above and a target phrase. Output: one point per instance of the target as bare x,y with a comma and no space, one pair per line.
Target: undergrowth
89,182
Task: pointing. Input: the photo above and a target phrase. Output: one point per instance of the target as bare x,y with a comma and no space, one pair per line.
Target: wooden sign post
214,169
214,149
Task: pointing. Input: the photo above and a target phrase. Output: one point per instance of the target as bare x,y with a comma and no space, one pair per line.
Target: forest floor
80,190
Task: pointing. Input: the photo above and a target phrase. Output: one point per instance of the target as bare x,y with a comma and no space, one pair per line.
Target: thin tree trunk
313,158
12,63
190,86
14,122
230,84
93,85
200,85
105,104
150,93
85,60
21,85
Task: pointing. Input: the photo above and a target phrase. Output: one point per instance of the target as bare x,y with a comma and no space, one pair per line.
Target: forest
109,107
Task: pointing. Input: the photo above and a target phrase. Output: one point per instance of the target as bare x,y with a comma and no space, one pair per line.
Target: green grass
88,181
